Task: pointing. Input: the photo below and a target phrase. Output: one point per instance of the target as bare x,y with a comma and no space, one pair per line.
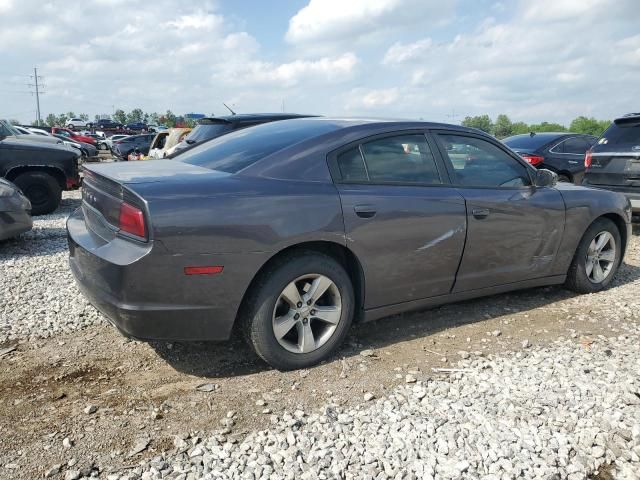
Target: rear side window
629,133
351,166
574,145
479,163
402,159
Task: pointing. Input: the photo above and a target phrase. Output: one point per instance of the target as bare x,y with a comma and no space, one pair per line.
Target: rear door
514,228
402,218
568,154
615,159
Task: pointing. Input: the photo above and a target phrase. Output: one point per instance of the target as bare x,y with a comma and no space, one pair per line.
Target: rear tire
280,331
594,267
42,190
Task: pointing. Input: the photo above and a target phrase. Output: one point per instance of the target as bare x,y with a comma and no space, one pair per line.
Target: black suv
212,127
614,161
107,124
41,171
562,153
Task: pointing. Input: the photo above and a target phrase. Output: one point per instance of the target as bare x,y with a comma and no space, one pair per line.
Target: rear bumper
143,292
14,223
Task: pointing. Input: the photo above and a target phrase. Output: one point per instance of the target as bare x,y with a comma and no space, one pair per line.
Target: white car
76,123
109,141
39,131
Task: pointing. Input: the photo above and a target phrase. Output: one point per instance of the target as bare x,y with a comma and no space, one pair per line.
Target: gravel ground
545,384
556,412
39,297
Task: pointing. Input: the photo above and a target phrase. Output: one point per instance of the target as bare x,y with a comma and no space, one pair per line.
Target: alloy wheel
601,257
307,313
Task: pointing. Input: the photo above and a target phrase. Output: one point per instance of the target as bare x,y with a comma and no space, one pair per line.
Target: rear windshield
527,141
207,131
237,150
621,134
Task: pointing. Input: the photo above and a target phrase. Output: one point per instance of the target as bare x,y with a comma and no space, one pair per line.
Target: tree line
136,115
503,126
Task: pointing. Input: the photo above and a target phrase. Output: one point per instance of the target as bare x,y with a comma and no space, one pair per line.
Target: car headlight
6,189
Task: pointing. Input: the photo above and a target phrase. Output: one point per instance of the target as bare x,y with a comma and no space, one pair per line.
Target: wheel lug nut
309,302
296,316
305,320
299,304
313,312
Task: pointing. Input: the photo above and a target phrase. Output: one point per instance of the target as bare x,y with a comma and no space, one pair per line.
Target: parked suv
107,124
41,171
562,153
614,161
76,123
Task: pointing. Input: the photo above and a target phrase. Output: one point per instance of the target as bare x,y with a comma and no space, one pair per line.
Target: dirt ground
151,390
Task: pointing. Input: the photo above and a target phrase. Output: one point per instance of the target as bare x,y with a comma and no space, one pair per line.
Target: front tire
42,190
299,311
597,258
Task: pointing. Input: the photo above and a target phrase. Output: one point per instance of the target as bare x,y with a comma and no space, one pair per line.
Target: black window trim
336,176
531,171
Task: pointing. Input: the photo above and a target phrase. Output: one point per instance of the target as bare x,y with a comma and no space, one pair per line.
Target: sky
542,60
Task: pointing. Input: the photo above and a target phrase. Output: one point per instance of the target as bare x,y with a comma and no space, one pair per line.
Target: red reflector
533,159
210,270
132,220
588,158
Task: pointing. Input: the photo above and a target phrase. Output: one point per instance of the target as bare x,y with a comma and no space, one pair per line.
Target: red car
73,135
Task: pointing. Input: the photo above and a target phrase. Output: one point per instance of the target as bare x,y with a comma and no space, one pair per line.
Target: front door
405,224
514,228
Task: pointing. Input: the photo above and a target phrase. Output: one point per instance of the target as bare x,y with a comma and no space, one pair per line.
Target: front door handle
480,213
365,211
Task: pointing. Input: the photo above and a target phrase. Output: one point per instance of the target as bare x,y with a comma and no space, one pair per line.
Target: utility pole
37,92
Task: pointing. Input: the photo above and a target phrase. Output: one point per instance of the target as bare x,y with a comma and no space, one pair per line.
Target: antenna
228,108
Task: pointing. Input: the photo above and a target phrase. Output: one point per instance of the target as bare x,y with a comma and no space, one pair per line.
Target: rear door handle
480,213
365,211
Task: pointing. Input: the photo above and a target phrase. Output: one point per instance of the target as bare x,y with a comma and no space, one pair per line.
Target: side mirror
546,178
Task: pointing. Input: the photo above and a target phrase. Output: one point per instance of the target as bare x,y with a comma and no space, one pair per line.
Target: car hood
39,139
27,144
152,171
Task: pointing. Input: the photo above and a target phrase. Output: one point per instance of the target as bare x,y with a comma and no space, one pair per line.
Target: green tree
502,127
120,116
84,116
62,120
519,128
548,127
589,126
169,119
135,115
13,121
154,118
481,122
71,115
51,120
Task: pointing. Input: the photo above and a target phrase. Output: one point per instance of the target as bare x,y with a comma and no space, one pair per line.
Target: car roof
252,117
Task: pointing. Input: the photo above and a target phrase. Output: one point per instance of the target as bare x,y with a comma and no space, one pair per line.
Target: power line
37,92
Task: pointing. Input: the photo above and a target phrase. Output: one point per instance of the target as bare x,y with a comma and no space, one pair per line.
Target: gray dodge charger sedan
290,231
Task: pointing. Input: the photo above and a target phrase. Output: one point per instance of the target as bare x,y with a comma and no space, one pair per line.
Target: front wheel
299,311
597,258
42,190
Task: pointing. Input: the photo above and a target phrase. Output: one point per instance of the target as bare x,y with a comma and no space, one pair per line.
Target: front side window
479,163
400,159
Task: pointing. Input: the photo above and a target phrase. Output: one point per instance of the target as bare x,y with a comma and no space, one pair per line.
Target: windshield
237,150
12,130
204,132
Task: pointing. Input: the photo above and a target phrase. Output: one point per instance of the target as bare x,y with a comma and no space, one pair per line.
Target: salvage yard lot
72,376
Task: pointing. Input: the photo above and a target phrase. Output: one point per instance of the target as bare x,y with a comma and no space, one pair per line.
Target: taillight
588,158
132,220
532,159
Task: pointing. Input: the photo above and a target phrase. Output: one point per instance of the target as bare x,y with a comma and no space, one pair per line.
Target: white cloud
399,53
328,24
